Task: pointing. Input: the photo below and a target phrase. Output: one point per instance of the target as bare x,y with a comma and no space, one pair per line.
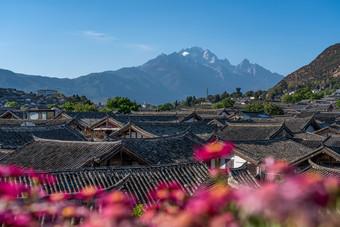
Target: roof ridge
38,139
317,166
148,167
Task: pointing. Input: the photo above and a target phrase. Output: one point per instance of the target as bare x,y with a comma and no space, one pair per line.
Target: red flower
214,150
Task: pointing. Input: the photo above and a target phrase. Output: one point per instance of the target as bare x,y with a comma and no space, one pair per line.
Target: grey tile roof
161,150
242,176
172,128
125,118
280,149
135,181
14,137
56,154
333,142
297,125
245,131
309,139
324,171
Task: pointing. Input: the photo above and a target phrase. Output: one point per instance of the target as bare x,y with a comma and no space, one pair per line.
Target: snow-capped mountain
165,78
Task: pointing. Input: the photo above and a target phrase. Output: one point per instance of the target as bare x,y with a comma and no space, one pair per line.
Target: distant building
47,92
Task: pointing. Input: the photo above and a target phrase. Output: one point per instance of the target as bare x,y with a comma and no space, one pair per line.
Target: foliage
121,104
165,107
11,104
224,103
338,104
272,109
138,210
267,107
255,107
284,199
78,106
237,93
302,94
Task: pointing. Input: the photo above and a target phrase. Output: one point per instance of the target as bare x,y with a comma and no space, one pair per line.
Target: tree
249,93
272,109
165,107
338,104
188,101
255,107
79,106
121,104
301,94
11,104
225,95
225,103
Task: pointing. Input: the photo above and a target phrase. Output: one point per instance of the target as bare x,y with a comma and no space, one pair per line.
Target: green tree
165,107
302,94
272,109
338,104
225,103
122,104
11,104
79,106
255,107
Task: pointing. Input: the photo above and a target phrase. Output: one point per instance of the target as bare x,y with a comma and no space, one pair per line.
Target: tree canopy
121,104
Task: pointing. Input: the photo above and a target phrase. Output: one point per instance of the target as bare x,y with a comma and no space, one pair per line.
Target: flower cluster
283,199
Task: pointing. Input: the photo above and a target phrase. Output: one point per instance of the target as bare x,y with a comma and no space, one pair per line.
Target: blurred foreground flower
214,150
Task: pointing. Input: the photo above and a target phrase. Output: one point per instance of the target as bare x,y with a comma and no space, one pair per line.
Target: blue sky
69,38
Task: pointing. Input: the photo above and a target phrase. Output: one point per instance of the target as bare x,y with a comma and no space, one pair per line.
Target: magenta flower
214,150
11,171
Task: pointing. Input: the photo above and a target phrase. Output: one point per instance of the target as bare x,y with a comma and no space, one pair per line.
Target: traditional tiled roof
327,117
128,127
161,150
314,168
242,176
246,132
321,150
17,114
309,139
5,152
47,155
135,181
21,122
190,116
172,128
333,142
255,114
125,118
280,149
330,130
297,125
14,137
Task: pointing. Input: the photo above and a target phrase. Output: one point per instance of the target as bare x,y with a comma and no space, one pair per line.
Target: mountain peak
199,54
245,62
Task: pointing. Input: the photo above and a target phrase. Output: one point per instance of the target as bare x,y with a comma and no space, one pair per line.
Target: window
33,116
43,116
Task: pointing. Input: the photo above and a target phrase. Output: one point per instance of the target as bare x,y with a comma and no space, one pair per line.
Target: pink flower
214,150
11,171
276,168
171,192
12,190
88,193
